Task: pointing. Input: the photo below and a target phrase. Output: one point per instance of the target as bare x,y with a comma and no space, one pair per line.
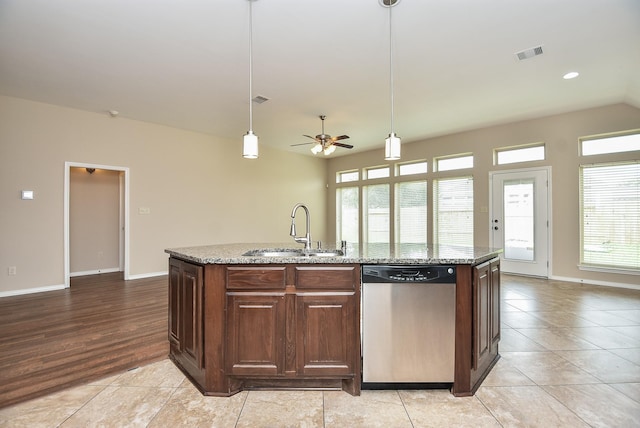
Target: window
617,144
412,168
347,176
378,172
519,154
454,162
411,212
453,211
610,216
376,225
347,209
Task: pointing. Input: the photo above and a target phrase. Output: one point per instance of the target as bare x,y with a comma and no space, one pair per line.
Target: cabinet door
192,341
482,314
256,328
175,301
495,304
327,331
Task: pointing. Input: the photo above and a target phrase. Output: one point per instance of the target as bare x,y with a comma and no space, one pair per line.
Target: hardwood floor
99,326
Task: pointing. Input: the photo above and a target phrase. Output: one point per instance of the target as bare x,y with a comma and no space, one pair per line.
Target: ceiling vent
259,99
529,53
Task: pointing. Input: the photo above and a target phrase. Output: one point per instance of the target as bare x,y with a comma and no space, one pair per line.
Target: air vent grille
529,53
259,99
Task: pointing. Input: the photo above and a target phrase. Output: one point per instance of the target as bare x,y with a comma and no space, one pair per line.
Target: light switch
27,194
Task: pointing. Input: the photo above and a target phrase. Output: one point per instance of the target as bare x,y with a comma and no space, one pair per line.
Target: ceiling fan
325,142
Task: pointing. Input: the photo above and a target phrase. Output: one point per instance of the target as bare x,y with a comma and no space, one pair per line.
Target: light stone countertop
400,254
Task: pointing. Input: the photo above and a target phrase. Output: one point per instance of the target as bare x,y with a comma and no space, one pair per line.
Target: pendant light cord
391,63
250,66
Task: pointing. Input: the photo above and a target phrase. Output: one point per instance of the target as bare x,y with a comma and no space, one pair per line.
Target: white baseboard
147,275
31,290
594,282
94,272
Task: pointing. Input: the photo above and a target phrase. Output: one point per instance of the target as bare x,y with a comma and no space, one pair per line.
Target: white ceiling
184,63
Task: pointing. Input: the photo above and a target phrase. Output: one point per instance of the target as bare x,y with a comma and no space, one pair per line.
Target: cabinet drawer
256,277
327,277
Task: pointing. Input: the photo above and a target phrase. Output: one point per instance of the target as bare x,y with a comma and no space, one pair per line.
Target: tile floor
570,358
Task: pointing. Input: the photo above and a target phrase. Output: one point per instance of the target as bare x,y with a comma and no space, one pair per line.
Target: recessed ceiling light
571,75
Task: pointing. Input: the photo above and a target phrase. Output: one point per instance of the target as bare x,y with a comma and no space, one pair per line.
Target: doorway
123,209
520,203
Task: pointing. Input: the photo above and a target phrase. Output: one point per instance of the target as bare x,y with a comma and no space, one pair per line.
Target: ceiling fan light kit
250,140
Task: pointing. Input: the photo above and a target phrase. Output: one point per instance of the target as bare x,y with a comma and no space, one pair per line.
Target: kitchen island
279,320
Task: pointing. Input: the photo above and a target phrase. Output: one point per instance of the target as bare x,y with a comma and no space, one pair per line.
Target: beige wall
560,133
198,188
94,221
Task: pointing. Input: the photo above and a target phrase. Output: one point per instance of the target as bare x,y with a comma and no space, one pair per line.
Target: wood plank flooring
99,326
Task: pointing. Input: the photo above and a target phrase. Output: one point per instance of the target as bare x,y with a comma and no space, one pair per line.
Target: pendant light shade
250,140
392,142
392,147
250,146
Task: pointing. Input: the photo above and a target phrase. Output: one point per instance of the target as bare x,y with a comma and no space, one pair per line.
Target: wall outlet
12,270
144,210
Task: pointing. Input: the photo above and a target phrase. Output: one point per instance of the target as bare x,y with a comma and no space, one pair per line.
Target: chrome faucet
307,237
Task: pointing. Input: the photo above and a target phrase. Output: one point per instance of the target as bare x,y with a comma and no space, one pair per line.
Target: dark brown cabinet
186,317
233,327
486,316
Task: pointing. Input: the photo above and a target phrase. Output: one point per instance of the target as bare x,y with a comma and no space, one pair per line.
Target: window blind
411,212
453,211
610,215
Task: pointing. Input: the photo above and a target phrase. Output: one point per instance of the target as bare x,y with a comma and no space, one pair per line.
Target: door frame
549,228
123,234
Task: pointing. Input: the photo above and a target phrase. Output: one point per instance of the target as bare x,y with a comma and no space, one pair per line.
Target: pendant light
250,140
392,142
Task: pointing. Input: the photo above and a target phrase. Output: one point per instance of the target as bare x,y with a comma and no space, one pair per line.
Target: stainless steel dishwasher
408,325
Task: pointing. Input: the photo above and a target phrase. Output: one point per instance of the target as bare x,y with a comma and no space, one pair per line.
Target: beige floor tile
106,381
370,410
282,409
438,408
604,365
547,368
563,319
162,374
629,354
120,406
556,338
605,318
605,337
187,407
523,320
600,405
512,340
527,406
50,410
631,390
632,331
631,314
504,374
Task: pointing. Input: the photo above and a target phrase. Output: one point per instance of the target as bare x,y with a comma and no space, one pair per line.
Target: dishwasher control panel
417,274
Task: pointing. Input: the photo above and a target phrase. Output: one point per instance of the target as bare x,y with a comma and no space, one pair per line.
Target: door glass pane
376,217
519,219
347,209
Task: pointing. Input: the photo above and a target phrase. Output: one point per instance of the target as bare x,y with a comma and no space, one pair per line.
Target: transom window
519,154
612,144
451,163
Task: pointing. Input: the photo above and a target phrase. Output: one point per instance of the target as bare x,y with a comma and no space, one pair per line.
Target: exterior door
520,220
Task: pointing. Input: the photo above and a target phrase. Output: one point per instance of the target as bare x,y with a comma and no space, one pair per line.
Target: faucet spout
306,240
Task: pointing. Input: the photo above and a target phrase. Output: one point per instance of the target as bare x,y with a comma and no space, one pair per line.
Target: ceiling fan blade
340,137
346,146
301,144
309,136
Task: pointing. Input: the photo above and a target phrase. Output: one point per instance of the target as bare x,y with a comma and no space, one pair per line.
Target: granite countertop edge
233,254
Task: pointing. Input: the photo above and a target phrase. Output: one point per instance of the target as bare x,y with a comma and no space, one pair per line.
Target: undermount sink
293,253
